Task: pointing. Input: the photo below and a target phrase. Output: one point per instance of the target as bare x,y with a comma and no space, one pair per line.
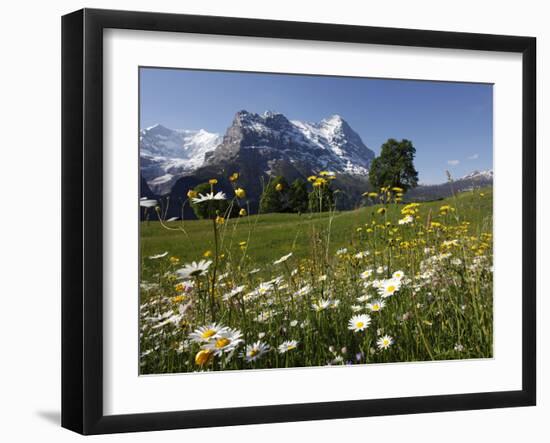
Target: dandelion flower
240,193
242,212
194,269
288,345
359,322
283,258
209,196
384,342
220,220
255,351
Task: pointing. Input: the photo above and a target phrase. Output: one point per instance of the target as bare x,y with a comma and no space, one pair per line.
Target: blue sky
450,124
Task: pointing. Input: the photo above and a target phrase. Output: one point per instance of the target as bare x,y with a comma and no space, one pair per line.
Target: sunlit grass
310,308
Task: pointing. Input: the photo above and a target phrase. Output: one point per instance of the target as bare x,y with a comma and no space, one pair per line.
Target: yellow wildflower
240,193
213,181
191,193
220,220
234,177
207,253
203,357
279,187
242,212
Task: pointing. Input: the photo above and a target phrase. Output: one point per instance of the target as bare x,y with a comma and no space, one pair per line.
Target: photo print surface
303,221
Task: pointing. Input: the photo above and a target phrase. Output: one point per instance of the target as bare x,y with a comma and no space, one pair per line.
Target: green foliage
275,196
394,167
298,196
321,199
210,208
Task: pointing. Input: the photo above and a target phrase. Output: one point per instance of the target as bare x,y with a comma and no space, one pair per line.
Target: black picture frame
82,231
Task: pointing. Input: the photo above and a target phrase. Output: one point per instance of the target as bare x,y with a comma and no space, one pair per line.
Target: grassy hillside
273,235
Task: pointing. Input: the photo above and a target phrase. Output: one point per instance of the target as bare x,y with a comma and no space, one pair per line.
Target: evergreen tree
298,197
394,166
275,196
321,199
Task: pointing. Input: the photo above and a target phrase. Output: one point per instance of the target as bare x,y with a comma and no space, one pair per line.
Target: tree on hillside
298,198
275,196
394,166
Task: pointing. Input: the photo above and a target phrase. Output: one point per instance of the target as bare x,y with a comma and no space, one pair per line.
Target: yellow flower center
391,288
375,307
360,324
222,342
253,352
208,333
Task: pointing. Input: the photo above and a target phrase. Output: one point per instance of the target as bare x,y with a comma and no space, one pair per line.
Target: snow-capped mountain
263,144
168,154
479,175
473,180
329,144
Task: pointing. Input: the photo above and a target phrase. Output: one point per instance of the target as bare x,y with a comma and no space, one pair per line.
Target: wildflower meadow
391,281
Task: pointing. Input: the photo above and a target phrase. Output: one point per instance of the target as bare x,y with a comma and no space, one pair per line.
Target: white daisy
255,351
364,298
341,251
194,269
209,196
283,259
154,257
206,333
384,342
398,274
288,345
366,274
226,341
148,203
389,287
321,305
406,220
235,291
376,305
359,322
303,291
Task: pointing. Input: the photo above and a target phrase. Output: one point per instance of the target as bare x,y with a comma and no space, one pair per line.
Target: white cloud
474,156
453,162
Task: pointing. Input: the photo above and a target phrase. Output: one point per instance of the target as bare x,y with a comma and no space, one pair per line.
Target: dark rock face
262,146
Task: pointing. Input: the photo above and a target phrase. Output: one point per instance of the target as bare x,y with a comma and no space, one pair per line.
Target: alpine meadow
287,242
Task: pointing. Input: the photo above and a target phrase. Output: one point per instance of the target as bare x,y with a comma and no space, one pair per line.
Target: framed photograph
269,221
